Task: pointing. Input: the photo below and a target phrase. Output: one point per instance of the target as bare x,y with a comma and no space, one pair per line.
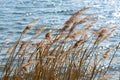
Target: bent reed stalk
68,53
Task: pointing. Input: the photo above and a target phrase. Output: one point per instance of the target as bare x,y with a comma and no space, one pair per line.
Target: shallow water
16,14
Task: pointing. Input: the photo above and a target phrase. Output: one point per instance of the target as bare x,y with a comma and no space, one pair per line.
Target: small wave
2,28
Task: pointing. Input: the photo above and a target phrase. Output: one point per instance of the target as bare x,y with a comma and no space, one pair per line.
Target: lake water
16,14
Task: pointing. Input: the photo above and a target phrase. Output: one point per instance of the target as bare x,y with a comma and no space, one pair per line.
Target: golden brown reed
80,22
30,26
56,39
38,32
73,18
104,33
107,53
77,33
10,50
86,19
89,25
79,43
27,29
67,55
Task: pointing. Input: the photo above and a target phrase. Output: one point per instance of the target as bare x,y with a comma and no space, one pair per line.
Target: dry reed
62,56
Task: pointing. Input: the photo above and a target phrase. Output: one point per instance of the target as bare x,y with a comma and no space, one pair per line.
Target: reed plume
73,18
30,26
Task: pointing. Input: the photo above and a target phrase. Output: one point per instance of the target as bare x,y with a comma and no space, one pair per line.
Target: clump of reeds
68,53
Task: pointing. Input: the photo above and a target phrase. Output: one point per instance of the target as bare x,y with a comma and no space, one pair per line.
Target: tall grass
72,52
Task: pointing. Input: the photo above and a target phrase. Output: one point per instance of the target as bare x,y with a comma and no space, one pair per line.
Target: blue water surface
16,14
